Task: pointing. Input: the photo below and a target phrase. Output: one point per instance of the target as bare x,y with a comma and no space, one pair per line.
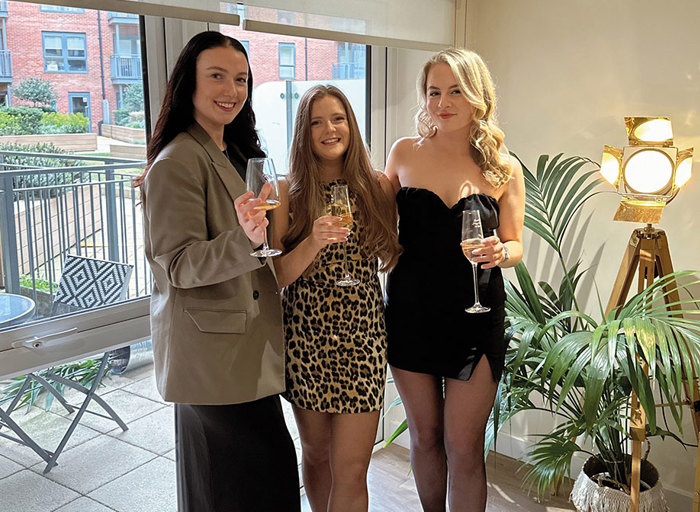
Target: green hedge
40,180
129,118
32,121
20,120
55,122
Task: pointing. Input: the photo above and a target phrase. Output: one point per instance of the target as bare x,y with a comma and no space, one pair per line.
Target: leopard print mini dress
336,338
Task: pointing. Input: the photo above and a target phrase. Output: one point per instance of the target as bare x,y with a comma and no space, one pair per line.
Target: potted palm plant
583,371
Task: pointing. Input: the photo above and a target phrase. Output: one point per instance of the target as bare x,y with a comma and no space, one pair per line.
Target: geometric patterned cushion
87,282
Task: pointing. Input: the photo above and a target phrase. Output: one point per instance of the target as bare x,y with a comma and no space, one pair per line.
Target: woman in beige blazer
215,310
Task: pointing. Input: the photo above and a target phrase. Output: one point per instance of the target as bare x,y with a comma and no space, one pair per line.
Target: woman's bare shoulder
406,145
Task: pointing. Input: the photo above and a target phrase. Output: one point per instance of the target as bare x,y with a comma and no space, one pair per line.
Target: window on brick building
246,45
60,8
352,60
64,52
287,68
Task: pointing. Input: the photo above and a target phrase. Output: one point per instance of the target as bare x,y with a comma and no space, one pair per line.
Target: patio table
15,309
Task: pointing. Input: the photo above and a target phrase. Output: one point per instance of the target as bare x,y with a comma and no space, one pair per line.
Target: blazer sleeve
176,210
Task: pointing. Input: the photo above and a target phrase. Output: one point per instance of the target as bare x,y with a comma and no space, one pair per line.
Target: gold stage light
649,172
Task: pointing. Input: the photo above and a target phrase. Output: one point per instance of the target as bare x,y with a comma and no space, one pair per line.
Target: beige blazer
216,317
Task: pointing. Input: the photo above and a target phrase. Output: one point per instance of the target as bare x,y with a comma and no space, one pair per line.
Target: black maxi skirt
235,458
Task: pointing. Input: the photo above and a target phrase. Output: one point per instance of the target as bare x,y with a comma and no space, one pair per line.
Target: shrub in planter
594,493
56,122
121,117
39,180
20,120
137,119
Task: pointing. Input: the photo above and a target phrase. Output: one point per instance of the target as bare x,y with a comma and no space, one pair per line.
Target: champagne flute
473,238
340,207
258,172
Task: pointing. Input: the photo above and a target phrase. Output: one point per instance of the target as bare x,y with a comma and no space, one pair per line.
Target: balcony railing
342,71
3,8
5,65
122,17
126,67
86,210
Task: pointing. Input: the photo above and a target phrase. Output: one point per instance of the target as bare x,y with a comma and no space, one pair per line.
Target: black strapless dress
428,290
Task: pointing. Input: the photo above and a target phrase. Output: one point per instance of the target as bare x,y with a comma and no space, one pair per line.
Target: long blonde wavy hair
306,200
475,83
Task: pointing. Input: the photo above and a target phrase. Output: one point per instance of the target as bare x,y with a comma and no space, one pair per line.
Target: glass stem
476,285
345,260
265,246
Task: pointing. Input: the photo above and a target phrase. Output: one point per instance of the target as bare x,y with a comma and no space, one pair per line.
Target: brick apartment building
88,56
91,56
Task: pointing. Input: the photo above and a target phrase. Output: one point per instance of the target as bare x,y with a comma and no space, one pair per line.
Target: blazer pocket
218,321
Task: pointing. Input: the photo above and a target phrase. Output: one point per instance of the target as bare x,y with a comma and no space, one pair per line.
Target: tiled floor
104,469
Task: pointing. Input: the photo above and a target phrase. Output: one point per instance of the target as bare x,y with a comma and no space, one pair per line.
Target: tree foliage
36,90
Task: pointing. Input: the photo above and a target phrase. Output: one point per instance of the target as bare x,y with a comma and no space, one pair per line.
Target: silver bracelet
506,254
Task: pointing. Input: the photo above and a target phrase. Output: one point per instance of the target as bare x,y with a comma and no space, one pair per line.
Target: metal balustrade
126,67
87,208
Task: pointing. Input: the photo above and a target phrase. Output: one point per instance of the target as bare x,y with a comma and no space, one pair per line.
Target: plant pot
588,496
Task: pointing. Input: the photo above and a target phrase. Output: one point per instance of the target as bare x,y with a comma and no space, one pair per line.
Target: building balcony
126,69
122,17
350,70
5,66
3,8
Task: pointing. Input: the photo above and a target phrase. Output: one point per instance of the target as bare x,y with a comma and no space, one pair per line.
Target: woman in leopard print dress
336,339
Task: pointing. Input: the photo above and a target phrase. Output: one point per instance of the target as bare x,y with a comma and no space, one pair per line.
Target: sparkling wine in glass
340,207
258,172
472,239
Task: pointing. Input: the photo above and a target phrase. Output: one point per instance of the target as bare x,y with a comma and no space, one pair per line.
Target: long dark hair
177,112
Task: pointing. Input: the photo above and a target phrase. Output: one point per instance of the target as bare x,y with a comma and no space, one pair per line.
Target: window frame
64,49
292,66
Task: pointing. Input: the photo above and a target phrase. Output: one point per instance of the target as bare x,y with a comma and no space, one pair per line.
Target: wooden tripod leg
628,268
647,265
695,406
664,267
638,433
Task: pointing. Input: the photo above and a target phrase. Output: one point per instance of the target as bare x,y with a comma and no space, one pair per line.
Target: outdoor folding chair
85,283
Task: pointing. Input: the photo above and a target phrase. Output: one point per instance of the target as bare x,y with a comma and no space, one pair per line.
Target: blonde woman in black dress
336,338
457,162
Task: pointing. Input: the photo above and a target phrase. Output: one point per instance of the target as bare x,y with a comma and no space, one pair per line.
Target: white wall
566,74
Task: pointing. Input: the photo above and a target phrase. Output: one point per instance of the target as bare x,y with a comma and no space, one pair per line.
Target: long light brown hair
306,201
485,137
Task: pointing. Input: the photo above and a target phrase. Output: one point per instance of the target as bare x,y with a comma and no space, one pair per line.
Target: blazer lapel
235,186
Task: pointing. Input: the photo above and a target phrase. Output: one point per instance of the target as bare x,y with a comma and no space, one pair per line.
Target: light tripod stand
648,256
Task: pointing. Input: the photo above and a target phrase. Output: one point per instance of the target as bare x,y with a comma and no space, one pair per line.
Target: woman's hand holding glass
261,176
327,230
341,207
251,218
491,253
473,241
